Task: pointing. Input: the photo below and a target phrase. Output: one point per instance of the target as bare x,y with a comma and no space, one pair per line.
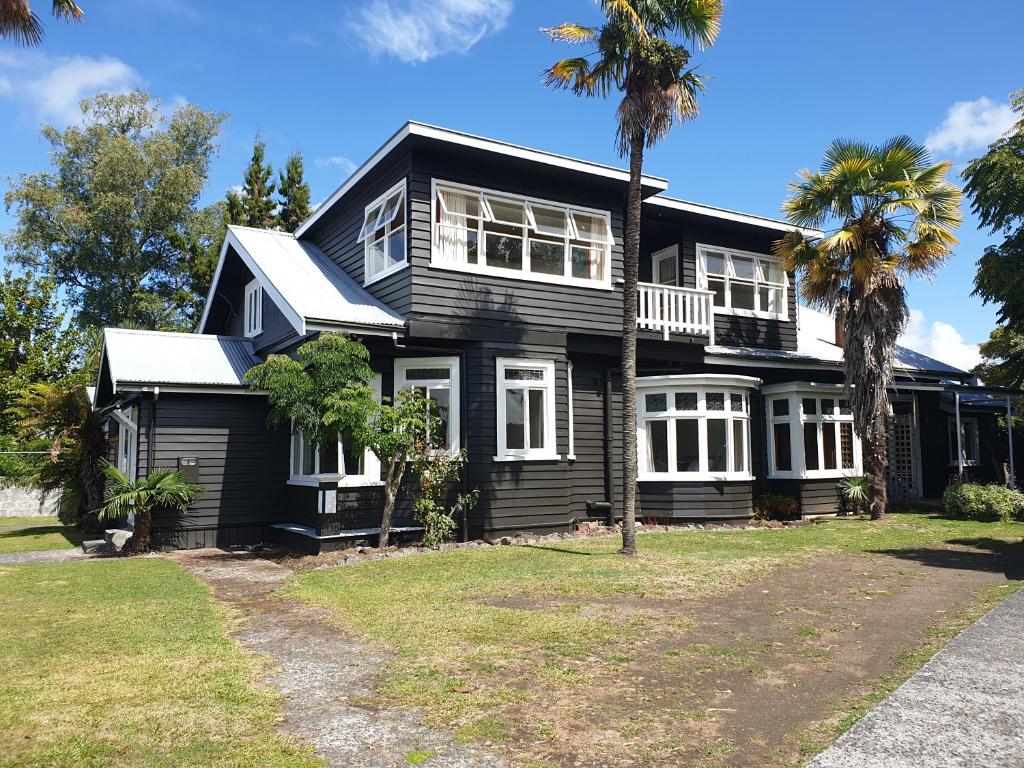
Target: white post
1009,433
959,439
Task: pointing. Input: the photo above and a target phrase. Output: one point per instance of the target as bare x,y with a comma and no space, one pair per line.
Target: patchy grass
418,756
125,663
35,534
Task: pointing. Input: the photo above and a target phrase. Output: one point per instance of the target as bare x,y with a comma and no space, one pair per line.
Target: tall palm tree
161,489
20,23
888,213
641,53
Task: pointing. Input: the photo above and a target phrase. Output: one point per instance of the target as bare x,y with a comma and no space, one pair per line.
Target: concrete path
44,556
964,708
324,674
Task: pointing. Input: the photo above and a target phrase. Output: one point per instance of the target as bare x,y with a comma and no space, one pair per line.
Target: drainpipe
609,481
959,439
1009,433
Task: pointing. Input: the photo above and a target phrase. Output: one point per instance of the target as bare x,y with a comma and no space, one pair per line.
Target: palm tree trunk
631,275
875,466
140,534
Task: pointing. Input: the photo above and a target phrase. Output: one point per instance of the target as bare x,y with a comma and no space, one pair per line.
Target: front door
665,266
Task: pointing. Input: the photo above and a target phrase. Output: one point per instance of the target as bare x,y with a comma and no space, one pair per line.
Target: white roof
309,289
182,359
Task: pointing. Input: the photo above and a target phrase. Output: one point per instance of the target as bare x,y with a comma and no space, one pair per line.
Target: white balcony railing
670,309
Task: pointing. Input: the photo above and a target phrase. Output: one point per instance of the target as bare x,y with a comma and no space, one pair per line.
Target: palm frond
67,10
17,21
624,11
570,32
697,20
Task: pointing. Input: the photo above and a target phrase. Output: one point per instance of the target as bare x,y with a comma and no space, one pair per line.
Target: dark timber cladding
228,304
696,499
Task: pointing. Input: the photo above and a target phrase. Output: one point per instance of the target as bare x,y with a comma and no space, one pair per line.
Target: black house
489,275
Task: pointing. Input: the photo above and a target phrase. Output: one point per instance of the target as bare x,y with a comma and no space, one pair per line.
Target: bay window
750,284
526,409
478,230
383,235
810,431
694,427
437,379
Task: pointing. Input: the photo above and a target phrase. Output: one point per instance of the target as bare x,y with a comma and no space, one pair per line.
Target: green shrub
776,507
853,494
973,501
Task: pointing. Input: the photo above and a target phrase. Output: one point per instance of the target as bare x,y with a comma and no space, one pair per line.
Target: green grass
125,663
35,534
418,756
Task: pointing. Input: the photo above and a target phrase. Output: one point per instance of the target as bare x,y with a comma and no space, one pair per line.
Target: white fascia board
325,326
802,387
728,215
209,389
698,379
412,128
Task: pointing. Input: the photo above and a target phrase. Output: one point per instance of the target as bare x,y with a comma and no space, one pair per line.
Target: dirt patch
324,675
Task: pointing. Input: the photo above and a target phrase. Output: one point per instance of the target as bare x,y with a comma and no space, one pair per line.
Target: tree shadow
985,554
72,535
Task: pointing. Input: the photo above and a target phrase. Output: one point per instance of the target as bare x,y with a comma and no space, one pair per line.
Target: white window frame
969,426
729,278
670,254
571,456
383,222
529,229
371,464
794,394
127,435
550,451
253,309
699,385
402,367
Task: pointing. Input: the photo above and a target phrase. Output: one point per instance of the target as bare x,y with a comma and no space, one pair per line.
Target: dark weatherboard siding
817,497
695,499
226,316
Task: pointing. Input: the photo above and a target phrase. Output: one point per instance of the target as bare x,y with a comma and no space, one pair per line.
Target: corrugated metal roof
311,284
185,359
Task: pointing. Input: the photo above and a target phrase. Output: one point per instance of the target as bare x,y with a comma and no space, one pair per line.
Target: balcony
670,309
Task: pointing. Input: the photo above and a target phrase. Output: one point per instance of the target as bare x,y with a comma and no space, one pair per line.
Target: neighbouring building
490,276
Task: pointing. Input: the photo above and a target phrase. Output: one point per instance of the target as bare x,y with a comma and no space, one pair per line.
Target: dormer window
505,235
746,284
253,309
383,233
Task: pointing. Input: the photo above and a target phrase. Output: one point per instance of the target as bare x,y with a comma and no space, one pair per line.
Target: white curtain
453,245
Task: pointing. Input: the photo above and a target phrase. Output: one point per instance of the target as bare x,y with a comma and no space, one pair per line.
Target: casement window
968,441
253,309
128,440
665,266
810,432
749,284
496,233
436,378
383,235
526,409
355,468
694,428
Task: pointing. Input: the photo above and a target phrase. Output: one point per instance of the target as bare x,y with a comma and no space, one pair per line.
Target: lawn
126,663
35,534
522,646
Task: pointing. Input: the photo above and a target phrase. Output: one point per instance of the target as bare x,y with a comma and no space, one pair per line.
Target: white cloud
52,87
971,125
415,31
336,161
939,340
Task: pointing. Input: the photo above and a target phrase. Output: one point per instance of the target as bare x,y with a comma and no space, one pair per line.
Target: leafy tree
995,185
201,243
641,53
889,214
294,192
162,489
19,22
258,190
109,223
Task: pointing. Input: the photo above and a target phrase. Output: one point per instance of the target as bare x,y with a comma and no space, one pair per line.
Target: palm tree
162,489
636,56
888,214
19,22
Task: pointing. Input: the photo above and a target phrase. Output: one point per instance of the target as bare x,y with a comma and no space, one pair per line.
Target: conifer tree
258,190
294,194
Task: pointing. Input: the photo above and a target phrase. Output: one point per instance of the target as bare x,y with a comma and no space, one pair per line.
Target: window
694,427
496,233
743,283
127,440
305,459
253,309
526,409
968,441
437,378
383,235
665,266
810,435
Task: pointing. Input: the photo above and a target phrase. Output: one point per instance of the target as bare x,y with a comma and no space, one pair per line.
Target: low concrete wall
26,501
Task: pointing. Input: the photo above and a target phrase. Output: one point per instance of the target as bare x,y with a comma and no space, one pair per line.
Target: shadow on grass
72,535
984,554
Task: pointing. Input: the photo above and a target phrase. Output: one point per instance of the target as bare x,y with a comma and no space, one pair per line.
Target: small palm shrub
776,507
853,494
162,489
990,503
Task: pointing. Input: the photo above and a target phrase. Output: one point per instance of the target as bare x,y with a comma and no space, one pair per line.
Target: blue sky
335,79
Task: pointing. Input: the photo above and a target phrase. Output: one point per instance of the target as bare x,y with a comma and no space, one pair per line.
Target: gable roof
446,135
310,290
175,359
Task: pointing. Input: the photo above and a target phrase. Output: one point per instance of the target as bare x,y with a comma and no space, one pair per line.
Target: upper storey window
477,230
749,284
383,233
253,309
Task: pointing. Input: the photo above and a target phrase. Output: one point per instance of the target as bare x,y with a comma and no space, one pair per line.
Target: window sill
524,277
815,474
534,457
717,310
359,482
308,482
386,273
705,477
